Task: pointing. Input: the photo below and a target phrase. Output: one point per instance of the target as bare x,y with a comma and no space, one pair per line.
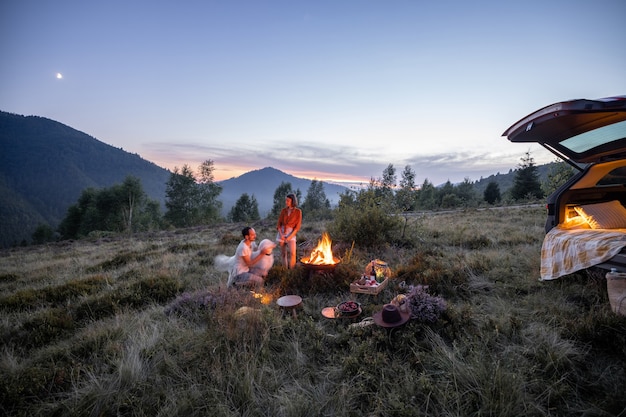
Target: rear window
594,138
615,177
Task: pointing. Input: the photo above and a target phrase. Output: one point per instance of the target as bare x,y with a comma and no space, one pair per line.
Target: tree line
193,200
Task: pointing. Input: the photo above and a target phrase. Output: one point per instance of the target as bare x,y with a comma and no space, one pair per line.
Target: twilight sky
328,89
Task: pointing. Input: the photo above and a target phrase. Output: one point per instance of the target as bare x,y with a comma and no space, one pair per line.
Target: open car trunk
590,135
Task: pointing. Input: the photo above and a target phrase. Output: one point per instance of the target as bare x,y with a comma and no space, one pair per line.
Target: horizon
356,185
334,91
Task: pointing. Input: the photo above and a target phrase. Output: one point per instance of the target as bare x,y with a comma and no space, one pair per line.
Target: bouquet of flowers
189,303
423,306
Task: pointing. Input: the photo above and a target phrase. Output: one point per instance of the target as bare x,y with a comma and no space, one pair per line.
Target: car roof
580,131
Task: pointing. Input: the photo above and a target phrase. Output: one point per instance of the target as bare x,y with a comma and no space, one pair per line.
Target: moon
59,76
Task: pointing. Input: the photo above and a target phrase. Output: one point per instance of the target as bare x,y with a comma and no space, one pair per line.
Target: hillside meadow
144,326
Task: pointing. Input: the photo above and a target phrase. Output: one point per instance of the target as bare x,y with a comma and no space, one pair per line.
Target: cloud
339,163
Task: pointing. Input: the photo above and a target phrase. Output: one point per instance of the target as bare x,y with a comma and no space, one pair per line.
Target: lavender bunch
423,306
188,303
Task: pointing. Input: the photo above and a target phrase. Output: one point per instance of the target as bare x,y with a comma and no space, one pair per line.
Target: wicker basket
616,287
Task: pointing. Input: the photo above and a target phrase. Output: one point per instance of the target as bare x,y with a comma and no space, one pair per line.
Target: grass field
144,326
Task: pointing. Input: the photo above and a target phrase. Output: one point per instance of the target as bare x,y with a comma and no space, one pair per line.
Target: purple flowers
188,303
423,306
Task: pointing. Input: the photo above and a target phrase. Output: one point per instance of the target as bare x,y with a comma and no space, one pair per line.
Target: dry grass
145,327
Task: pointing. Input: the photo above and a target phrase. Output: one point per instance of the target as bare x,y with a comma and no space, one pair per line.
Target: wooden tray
368,289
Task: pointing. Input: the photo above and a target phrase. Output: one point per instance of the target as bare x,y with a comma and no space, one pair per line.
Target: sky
333,90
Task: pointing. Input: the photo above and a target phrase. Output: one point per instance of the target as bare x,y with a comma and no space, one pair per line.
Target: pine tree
246,209
121,208
190,202
465,192
383,187
406,196
279,198
181,197
315,204
558,174
492,193
427,195
526,184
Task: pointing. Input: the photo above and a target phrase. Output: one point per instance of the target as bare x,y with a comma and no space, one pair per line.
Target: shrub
365,221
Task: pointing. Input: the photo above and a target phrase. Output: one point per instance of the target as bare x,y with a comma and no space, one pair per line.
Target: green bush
365,220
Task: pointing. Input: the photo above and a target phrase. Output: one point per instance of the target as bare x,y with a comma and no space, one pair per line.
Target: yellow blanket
566,251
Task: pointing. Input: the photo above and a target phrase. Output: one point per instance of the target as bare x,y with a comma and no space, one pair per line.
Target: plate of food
346,309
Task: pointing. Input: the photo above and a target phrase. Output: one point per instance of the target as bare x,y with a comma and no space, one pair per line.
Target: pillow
609,215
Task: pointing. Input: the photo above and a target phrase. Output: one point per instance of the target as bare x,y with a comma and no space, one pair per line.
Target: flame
265,298
322,254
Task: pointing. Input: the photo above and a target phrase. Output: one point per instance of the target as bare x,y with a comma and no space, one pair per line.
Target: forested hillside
505,181
45,165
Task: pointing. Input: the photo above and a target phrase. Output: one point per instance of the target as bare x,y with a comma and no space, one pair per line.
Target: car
590,135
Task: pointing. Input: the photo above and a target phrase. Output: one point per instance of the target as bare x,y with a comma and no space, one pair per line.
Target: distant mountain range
262,184
45,166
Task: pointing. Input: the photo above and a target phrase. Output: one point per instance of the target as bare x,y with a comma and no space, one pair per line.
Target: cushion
609,215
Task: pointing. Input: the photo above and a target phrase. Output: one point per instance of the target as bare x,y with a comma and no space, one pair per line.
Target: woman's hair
294,199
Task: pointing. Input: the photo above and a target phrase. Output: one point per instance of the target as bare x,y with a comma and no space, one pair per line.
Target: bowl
348,308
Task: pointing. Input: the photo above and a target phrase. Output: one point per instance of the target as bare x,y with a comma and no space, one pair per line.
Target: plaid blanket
566,251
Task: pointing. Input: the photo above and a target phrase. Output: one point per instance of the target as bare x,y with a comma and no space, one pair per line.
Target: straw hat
391,316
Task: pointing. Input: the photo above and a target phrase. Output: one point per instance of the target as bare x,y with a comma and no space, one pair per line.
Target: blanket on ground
565,251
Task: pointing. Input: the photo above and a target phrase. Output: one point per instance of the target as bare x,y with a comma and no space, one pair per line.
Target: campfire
322,255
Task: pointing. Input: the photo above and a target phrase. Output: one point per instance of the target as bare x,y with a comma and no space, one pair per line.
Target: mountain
45,166
505,181
263,183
